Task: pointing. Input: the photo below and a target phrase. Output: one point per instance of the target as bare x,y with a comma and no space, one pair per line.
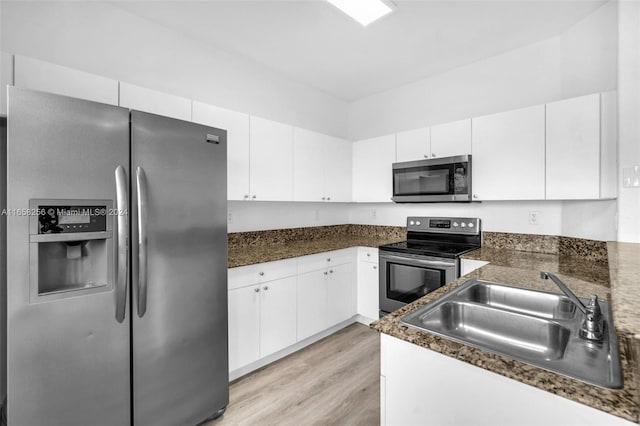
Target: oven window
407,283
423,180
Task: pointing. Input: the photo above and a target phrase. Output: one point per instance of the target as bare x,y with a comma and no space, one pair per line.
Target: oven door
407,277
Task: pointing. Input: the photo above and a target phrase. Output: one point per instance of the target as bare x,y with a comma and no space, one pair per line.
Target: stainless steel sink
534,327
529,302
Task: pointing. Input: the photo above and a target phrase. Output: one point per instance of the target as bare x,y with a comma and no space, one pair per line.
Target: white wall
261,215
628,117
103,39
497,216
582,60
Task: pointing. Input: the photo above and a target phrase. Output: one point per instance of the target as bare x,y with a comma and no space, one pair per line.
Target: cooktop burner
427,248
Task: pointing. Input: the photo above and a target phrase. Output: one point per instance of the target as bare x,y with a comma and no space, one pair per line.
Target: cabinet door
509,155
277,315
6,79
44,76
311,157
244,326
337,173
312,303
271,160
413,145
368,290
372,160
237,126
451,139
340,294
573,148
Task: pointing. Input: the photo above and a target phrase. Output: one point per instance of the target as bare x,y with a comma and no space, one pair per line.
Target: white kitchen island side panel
425,387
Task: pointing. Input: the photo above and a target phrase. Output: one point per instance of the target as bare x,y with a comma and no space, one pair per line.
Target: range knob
418,222
411,222
470,225
455,224
462,225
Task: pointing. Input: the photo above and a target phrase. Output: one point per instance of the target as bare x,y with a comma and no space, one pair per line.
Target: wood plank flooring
335,381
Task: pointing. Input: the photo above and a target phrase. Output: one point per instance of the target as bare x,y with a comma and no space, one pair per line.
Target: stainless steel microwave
438,180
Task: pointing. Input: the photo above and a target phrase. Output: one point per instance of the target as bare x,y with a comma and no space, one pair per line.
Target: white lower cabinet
326,297
244,326
421,386
368,283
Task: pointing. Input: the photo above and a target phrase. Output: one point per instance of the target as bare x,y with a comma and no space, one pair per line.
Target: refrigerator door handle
141,180
122,272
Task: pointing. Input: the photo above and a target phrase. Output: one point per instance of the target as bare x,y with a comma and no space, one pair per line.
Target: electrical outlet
534,218
229,217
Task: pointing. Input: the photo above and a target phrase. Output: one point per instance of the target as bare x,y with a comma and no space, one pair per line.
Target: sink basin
500,330
534,327
516,299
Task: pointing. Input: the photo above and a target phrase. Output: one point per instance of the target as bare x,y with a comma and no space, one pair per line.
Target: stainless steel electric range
429,259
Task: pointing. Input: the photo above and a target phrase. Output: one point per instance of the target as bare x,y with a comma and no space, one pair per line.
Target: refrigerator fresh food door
68,355
179,270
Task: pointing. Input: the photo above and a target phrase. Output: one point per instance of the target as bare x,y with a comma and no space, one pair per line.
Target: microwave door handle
419,261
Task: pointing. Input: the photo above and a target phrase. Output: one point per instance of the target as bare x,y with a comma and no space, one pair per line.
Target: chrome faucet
592,325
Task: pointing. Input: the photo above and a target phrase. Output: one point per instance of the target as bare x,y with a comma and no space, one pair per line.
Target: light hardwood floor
335,381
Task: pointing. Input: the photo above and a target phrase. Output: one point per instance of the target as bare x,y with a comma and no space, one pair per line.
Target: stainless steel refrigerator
115,288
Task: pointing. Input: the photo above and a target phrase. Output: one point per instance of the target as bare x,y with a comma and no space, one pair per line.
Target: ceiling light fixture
364,11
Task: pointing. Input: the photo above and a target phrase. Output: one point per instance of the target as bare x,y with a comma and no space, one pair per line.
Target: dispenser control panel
57,219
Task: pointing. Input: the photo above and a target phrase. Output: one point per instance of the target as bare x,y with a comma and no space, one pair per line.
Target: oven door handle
418,261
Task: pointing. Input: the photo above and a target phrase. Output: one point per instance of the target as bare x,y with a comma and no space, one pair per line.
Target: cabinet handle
323,198
475,195
246,196
368,254
331,271
253,197
266,287
328,259
326,273
426,155
433,155
257,290
261,274
375,267
328,198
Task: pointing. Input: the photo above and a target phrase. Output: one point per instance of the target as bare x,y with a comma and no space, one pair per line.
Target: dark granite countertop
615,279
248,248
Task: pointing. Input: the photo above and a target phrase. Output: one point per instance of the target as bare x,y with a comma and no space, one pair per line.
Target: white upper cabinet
6,79
372,160
580,160
321,167
271,160
338,178
147,100
237,126
413,145
509,155
451,139
46,77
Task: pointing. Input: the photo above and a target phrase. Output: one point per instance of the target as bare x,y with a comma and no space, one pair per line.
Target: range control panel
57,219
445,225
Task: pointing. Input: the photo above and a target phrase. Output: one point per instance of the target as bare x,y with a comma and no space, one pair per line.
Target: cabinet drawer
262,272
368,254
315,262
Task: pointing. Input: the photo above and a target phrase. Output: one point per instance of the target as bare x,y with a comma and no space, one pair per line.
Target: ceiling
314,43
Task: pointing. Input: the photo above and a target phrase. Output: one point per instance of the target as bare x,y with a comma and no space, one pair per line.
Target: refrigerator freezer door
68,356
180,366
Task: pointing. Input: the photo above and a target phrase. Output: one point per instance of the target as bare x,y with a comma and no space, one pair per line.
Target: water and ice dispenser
71,248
